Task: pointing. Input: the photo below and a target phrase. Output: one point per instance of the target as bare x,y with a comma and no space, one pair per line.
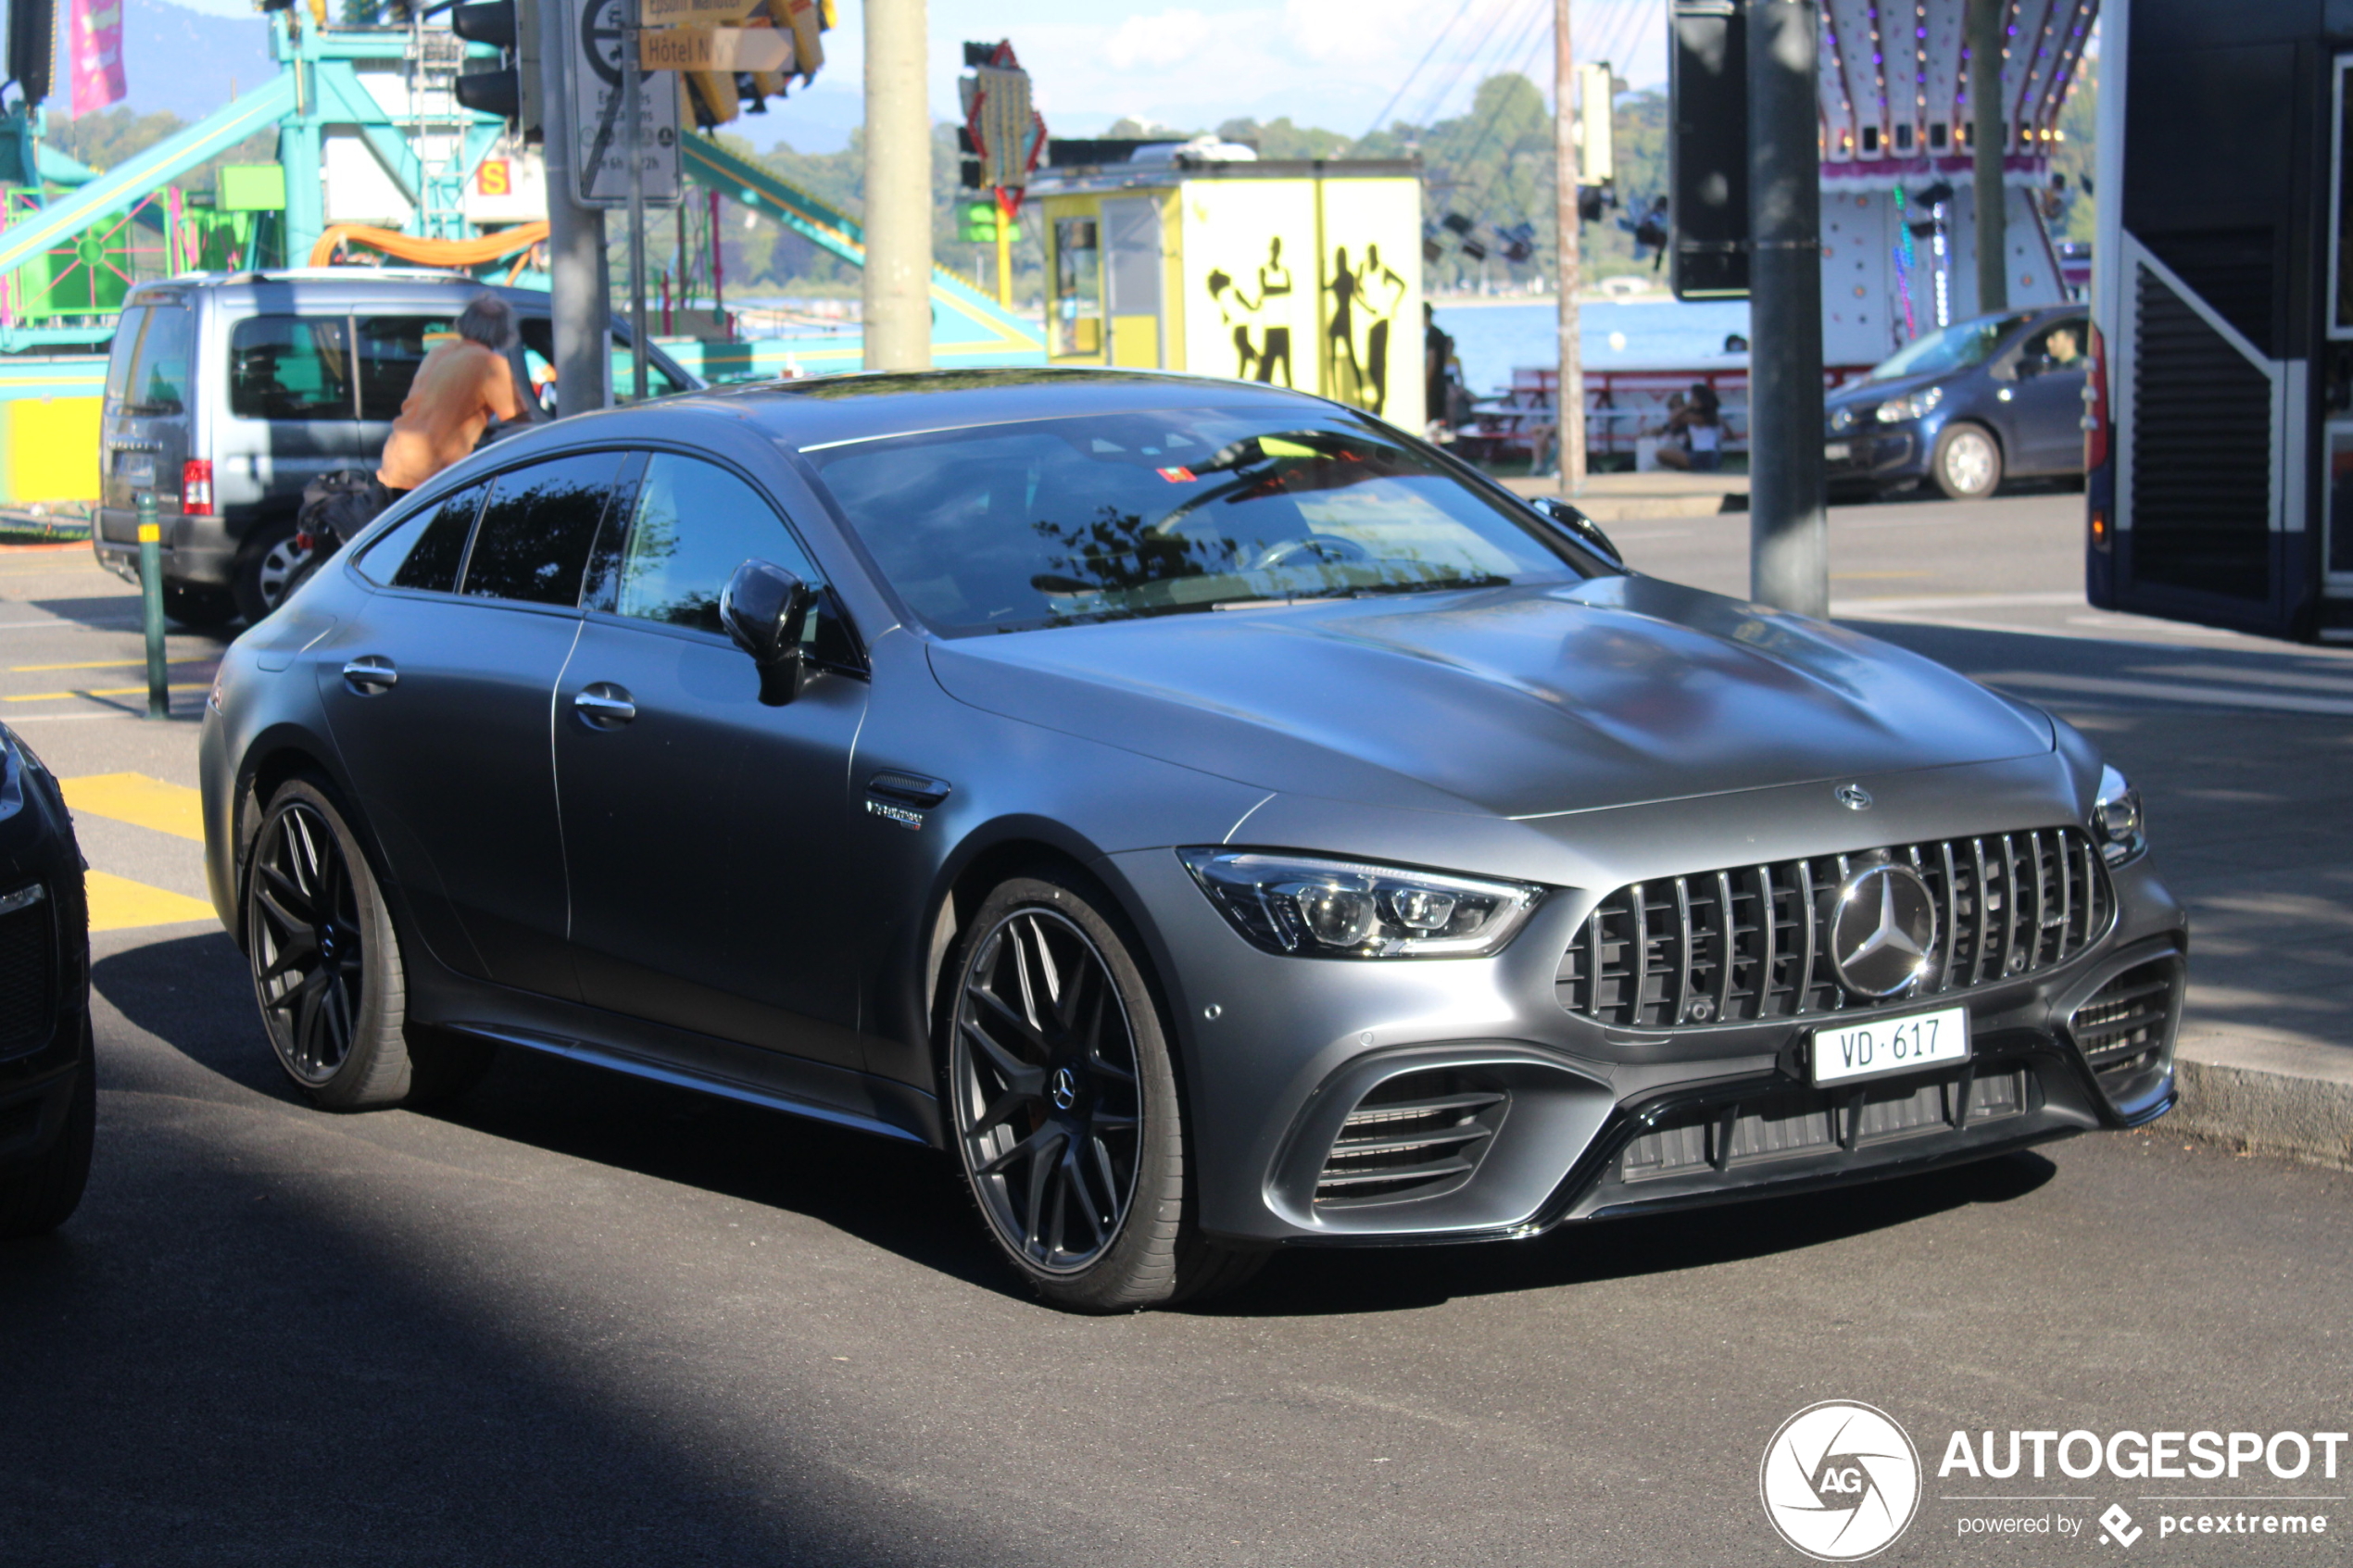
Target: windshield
1957,347
1110,517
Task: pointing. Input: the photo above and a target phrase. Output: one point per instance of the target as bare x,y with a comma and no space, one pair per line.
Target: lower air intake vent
2121,1029
1414,1135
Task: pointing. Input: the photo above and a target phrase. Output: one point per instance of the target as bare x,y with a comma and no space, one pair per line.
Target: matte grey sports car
1220,819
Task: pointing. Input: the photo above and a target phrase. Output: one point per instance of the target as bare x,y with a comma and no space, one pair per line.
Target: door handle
371,676
604,706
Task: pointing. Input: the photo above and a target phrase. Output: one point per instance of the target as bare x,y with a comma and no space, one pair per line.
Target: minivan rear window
126,343
290,368
159,365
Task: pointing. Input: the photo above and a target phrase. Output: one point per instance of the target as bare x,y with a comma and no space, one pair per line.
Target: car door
704,833
440,708
2046,400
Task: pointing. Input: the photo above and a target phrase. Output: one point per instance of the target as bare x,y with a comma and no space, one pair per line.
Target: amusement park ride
376,159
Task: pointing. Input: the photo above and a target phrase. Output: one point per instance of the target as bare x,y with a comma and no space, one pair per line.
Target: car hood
1520,701
1872,393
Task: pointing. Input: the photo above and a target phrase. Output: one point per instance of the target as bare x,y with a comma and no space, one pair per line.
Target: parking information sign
600,138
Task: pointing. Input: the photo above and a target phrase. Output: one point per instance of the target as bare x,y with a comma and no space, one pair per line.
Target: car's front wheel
1968,464
1064,1106
327,971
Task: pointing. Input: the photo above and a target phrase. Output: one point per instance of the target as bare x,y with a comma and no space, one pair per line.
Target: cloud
1156,43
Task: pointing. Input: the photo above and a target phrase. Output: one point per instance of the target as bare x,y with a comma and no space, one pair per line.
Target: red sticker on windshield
1177,476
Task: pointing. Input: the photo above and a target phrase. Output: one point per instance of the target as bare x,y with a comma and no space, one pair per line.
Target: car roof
337,286
832,410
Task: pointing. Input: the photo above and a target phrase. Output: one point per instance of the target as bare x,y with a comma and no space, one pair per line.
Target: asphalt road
584,1320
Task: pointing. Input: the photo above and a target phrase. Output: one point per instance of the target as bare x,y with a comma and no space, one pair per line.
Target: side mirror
765,609
1577,526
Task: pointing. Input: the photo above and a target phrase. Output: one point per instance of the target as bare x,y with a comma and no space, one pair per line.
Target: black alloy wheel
327,971
1063,1106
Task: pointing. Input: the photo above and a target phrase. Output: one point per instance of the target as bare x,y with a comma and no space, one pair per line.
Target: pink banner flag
95,42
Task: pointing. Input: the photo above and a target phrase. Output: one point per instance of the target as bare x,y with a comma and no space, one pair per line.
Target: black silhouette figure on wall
1256,359
1373,281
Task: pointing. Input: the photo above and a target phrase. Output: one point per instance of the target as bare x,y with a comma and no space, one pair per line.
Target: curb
2309,1118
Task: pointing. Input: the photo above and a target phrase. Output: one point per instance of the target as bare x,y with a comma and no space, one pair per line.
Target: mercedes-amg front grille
1747,943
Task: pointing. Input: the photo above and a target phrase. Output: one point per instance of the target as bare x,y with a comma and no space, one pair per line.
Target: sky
1336,64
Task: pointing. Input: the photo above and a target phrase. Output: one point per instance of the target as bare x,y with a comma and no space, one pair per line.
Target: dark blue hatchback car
1992,398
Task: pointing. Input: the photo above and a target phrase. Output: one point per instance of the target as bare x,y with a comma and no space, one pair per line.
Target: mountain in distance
181,61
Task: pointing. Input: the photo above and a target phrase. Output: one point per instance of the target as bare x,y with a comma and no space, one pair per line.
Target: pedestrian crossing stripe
117,903
139,800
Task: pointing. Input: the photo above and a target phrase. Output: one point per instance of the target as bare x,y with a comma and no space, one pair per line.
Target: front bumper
1341,1103
1876,455
45,968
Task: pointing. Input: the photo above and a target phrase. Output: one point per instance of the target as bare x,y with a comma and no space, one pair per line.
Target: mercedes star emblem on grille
1883,928
1854,797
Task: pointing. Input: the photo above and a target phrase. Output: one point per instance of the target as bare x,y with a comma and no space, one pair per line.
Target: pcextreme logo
1841,1481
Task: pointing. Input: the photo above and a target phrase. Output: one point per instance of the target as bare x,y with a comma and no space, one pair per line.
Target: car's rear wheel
1064,1105
40,1194
326,966
266,566
1968,464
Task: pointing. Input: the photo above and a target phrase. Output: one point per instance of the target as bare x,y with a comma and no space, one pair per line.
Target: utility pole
1788,535
633,88
576,233
897,281
1569,397
1985,44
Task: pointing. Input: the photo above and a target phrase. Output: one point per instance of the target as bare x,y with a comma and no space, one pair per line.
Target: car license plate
1836,451
1891,1044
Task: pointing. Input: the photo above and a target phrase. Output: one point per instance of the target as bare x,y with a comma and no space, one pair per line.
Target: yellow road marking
103,691
98,664
117,903
140,800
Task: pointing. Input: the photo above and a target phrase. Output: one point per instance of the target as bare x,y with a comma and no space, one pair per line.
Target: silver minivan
227,392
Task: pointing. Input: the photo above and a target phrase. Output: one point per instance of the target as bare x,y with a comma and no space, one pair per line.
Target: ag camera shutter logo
1840,1481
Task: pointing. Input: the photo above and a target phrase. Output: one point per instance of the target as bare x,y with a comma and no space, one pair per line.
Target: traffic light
1707,149
976,224
510,90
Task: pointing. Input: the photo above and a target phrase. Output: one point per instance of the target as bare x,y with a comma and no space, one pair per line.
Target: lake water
1619,334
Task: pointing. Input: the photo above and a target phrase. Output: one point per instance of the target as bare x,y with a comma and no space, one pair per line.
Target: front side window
695,524
537,531
290,368
391,347
425,549
2058,346
1110,517
159,369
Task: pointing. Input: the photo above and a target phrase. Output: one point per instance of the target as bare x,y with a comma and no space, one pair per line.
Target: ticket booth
1303,273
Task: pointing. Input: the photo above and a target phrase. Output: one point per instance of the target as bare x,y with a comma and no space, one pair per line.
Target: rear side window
391,347
425,549
159,365
539,529
126,343
290,368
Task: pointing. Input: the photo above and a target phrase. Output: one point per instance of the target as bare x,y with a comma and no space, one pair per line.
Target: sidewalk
1622,498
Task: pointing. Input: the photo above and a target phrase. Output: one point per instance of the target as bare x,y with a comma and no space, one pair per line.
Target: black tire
40,1194
1064,1105
325,957
199,604
1967,461
266,565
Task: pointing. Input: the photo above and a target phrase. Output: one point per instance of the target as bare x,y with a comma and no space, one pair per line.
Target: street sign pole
575,231
631,87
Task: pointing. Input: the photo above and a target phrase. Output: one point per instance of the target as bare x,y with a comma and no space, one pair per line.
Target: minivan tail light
195,487
2095,429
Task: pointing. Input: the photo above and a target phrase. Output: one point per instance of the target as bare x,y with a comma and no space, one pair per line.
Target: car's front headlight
1312,907
1911,405
2117,822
